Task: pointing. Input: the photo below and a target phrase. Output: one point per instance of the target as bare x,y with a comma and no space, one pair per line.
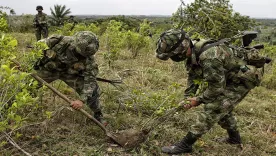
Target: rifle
36,23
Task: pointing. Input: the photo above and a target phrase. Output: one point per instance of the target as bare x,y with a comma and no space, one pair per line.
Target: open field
148,83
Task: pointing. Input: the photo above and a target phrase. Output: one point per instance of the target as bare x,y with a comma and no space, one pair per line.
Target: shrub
113,40
135,42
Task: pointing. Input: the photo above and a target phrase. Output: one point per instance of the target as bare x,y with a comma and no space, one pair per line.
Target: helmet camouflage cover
171,43
39,7
86,43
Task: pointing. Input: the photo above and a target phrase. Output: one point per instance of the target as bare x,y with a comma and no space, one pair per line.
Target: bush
70,29
17,88
135,42
22,24
113,40
214,19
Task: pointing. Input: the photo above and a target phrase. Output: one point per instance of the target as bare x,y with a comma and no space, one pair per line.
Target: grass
148,84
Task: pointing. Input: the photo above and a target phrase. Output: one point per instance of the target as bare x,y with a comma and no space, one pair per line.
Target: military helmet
86,43
171,43
39,7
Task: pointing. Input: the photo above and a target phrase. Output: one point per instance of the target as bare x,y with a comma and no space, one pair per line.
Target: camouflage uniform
70,59
41,28
219,67
229,76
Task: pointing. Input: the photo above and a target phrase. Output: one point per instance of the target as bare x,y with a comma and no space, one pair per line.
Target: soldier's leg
234,93
38,34
204,122
45,32
229,123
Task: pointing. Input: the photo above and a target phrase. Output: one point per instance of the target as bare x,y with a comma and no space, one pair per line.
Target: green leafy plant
135,42
212,18
17,89
113,40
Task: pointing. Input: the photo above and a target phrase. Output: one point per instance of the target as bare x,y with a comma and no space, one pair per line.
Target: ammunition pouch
250,76
76,68
253,57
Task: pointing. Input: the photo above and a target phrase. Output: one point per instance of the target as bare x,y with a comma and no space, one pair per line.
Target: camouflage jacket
62,57
40,20
219,66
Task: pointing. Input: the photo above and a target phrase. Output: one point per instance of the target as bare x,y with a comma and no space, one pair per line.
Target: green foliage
22,23
16,100
128,23
135,42
113,40
212,18
68,31
154,102
3,24
16,87
145,29
3,21
59,14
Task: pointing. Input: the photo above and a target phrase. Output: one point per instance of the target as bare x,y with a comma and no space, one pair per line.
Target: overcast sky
253,8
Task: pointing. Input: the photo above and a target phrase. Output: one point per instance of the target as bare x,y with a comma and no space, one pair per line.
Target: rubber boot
234,137
184,146
99,116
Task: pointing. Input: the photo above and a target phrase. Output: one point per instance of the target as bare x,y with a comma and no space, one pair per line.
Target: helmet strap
183,33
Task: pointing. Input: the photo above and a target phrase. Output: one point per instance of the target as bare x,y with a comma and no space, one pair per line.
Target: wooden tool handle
68,101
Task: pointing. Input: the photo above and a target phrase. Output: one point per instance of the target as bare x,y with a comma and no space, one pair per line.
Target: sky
252,8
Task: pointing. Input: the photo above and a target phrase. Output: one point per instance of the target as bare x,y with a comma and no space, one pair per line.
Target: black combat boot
99,116
184,146
234,137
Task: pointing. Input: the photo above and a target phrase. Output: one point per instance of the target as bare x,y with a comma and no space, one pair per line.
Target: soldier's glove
193,103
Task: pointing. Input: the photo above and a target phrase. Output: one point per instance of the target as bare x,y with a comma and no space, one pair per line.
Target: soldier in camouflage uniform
40,24
229,74
70,59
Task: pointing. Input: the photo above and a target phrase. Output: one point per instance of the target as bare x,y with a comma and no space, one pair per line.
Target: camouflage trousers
41,31
77,83
220,110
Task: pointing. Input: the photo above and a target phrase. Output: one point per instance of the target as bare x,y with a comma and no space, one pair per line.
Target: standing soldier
40,24
71,59
230,72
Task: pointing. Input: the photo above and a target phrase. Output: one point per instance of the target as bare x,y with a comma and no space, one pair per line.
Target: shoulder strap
204,48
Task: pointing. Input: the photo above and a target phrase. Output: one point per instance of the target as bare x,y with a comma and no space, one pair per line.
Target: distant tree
12,12
59,14
211,18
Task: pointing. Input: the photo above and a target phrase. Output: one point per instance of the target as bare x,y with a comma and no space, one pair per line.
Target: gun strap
108,81
204,48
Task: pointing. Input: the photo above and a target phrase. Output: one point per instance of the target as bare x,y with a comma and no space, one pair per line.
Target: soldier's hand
77,104
193,103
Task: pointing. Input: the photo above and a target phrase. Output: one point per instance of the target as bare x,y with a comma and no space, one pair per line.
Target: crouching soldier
71,59
231,72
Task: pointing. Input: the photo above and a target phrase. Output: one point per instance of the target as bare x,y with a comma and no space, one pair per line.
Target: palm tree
59,14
